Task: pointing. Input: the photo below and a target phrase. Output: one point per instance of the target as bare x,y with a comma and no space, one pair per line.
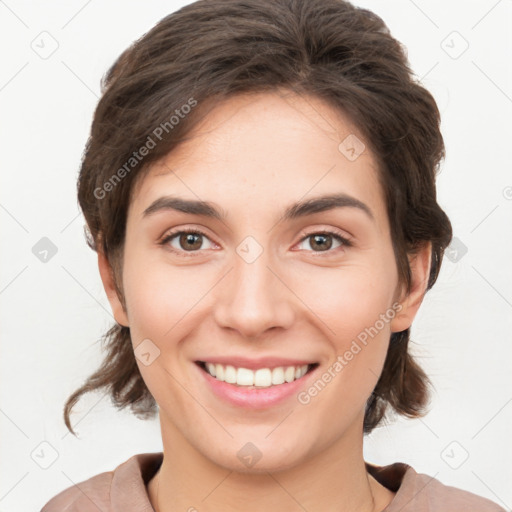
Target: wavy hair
211,50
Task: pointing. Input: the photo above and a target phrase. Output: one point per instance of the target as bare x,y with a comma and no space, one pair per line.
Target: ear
107,277
420,270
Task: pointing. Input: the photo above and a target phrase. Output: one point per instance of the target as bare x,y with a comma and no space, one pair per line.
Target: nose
253,299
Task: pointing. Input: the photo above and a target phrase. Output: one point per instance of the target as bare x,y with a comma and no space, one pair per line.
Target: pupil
189,238
323,246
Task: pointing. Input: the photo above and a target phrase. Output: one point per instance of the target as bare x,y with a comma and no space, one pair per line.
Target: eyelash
345,241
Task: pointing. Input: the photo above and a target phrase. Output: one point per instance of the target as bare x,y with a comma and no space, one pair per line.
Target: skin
252,156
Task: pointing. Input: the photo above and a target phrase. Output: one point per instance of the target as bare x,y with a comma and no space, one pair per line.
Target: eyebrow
294,211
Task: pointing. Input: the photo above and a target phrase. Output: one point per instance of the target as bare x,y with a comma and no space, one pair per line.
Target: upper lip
255,363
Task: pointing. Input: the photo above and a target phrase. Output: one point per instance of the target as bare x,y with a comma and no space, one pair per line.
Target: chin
259,457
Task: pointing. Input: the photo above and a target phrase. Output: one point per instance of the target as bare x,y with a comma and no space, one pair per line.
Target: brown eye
323,241
183,241
190,241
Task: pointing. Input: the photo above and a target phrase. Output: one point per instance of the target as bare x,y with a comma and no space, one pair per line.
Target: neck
334,479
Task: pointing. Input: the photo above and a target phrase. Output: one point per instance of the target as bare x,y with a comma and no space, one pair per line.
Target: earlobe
420,271
107,278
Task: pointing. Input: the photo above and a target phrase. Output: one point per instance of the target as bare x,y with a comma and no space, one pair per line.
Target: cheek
356,307
162,304
159,296
350,298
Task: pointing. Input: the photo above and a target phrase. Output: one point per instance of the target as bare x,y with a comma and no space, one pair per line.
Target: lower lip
255,398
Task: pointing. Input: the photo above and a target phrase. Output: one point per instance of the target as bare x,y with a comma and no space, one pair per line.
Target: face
262,288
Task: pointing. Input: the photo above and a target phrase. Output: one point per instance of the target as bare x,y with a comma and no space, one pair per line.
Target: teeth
211,369
278,375
289,374
230,374
244,377
263,377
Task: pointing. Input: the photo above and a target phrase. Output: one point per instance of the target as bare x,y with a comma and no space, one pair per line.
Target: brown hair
211,50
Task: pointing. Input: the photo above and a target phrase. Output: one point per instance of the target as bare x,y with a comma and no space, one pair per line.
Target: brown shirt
124,490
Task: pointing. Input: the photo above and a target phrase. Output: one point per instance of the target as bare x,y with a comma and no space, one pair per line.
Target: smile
258,378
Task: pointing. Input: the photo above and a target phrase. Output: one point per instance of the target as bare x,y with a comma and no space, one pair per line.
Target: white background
53,313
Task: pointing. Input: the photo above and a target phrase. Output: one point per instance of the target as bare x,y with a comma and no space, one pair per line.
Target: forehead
257,152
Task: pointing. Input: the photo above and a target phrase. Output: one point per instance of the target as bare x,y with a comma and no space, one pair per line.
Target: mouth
257,378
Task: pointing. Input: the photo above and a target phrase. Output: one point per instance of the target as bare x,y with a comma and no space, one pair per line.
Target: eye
323,240
191,241
185,240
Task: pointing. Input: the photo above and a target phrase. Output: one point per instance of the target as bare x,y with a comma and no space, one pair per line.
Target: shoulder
90,495
111,491
423,492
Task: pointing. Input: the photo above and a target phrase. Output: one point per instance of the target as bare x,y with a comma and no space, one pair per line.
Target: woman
259,185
